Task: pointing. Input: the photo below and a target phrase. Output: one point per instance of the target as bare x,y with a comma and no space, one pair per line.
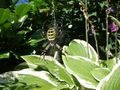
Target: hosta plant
77,72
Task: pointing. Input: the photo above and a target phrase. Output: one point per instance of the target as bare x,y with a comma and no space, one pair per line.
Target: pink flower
113,27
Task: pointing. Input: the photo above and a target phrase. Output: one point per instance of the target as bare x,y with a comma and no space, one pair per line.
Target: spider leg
58,46
45,50
56,54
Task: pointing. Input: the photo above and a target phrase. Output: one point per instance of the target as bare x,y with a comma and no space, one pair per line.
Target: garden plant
59,45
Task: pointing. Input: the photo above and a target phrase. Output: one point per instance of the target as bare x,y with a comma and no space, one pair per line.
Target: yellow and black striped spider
53,35
53,27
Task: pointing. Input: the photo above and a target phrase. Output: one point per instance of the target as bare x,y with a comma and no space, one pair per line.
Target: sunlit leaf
100,73
39,4
53,66
22,10
4,55
21,66
79,48
39,79
4,15
119,42
101,4
36,37
20,22
111,63
22,19
81,68
33,42
111,81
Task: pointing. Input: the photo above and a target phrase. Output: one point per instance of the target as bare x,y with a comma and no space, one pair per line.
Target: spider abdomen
51,34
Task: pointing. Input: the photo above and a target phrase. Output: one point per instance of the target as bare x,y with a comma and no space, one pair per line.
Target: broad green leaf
119,42
53,66
111,63
12,18
102,4
22,10
33,42
18,23
111,81
100,73
40,5
4,55
22,19
4,15
79,48
36,37
7,26
81,68
39,79
21,66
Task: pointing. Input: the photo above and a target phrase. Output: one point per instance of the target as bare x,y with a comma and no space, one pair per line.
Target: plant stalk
86,26
107,33
116,54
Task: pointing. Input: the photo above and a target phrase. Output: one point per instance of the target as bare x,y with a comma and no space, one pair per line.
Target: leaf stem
86,26
107,33
116,54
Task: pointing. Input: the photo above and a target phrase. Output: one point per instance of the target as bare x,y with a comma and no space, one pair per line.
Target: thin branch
107,33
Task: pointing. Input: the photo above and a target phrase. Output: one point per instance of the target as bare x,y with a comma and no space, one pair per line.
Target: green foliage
17,37
9,24
81,67
45,71
74,59
4,55
79,48
29,19
27,81
4,15
38,83
22,9
39,5
23,30
111,63
100,73
54,67
16,25
112,81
